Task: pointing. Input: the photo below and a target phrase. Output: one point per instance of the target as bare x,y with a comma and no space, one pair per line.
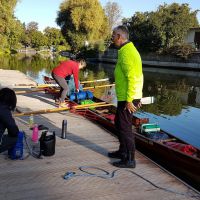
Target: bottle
31,121
64,129
35,133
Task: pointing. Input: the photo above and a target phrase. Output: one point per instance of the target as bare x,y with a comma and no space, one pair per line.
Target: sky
44,12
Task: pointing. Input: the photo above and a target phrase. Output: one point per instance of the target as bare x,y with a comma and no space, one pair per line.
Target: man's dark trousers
123,123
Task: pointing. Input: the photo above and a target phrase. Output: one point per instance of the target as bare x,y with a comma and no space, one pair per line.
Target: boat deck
86,145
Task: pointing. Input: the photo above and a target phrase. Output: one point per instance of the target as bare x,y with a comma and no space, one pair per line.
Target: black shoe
115,154
125,164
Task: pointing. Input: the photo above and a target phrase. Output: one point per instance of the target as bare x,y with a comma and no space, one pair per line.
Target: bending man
64,69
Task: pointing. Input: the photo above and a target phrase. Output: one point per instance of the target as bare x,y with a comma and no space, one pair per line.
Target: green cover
150,128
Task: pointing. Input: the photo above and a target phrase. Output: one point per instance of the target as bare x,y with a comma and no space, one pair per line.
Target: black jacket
7,122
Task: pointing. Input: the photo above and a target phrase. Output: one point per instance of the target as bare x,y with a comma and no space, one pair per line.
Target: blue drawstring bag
89,94
16,152
82,95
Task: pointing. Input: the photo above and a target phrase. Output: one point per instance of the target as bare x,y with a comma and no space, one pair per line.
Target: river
177,93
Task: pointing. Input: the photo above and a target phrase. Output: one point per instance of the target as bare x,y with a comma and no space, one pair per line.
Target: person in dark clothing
8,102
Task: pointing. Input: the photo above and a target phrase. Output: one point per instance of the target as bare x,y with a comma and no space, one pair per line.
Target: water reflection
192,95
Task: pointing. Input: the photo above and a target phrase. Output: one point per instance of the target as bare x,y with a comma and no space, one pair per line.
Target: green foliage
10,28
181,50
143,32
173,22
82,20
54,36
4,41
38,39
15,34
62,48
166,27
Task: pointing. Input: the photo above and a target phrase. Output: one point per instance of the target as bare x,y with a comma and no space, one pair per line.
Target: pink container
35,133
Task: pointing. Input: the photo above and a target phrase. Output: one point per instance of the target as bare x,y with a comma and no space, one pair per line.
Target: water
177,106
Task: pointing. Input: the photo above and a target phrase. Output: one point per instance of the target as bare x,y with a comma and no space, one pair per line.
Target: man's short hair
123,31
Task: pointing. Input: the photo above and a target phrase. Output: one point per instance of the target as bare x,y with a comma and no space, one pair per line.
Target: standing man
128,85
64,69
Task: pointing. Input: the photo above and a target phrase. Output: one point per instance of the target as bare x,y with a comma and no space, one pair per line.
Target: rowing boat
173,154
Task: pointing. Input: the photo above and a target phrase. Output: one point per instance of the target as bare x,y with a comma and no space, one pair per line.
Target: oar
29,91
94,81
56,90
83,82
85,106
98,86
46,85
98,106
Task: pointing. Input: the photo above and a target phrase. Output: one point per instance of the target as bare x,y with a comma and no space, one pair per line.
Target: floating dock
87,144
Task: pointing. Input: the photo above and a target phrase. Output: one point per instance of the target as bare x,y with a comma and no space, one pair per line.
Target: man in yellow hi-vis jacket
128,85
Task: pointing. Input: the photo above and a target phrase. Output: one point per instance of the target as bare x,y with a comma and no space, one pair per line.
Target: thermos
64,129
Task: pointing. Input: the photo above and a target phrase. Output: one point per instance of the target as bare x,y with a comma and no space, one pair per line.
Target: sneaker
115,154
63,105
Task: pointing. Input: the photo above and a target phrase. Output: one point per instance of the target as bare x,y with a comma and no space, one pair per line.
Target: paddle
82,82
57,90
85,106
144,100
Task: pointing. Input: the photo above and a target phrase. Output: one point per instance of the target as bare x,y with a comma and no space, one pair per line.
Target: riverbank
110,56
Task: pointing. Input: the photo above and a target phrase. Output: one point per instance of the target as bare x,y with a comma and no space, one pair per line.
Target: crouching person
8,102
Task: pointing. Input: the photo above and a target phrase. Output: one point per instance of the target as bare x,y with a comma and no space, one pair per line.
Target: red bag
186,148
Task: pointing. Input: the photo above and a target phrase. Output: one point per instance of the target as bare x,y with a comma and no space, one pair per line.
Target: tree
32,26
7,14
113,13
82,20
143,32
8,24
38,39
167,27
54,36
173,21
14,34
